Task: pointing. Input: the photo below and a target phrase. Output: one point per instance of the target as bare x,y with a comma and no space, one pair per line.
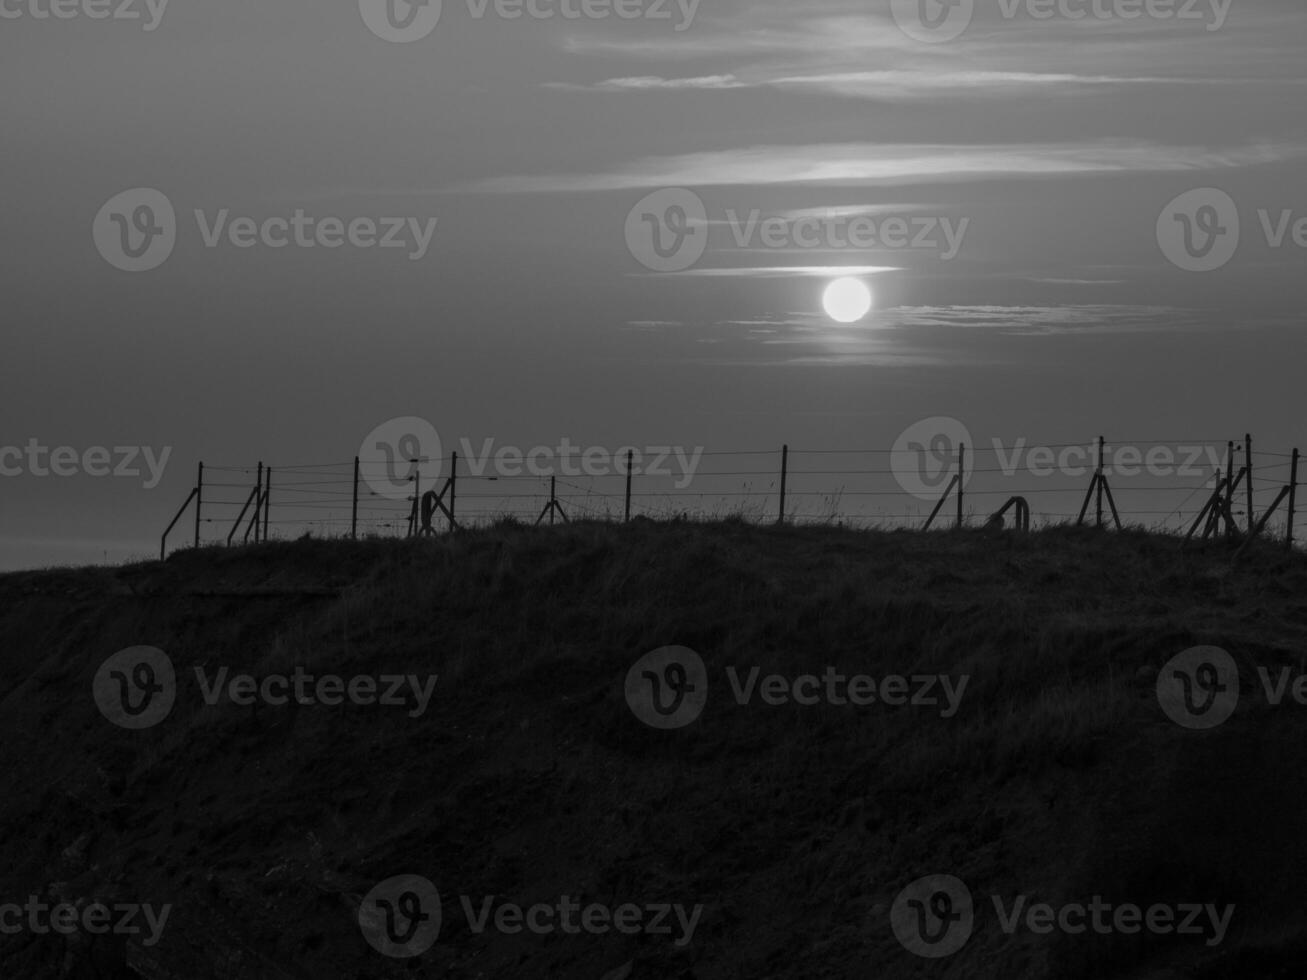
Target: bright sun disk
847,300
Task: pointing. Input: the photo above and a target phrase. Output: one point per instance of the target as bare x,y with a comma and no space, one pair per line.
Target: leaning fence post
453,479
785,468
267,499
354,508
199,498
962,470
1293,498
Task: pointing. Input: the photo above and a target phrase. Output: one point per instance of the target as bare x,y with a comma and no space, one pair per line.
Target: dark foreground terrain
529,777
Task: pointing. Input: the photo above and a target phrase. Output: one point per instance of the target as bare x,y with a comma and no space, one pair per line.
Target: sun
847,300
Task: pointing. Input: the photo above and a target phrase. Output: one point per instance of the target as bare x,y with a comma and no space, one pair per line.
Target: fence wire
1158,484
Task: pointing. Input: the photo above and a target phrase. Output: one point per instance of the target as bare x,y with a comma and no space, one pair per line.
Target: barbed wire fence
1221,488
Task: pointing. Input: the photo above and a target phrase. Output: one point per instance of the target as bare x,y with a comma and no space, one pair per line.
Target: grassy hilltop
529,777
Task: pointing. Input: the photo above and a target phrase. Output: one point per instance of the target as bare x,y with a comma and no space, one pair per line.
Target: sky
613,222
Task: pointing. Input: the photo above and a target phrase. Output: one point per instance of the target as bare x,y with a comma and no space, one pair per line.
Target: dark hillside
529,777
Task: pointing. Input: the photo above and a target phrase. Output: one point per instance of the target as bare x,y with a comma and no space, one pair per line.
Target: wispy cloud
870,164
645,83
892,84
1045,320
777,272
910,335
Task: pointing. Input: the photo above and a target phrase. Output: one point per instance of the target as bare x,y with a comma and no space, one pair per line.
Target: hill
765,838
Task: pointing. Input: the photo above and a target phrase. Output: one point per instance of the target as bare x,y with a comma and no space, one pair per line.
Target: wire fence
1159,484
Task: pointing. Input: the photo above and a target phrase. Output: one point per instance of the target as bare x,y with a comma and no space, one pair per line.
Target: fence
1208,487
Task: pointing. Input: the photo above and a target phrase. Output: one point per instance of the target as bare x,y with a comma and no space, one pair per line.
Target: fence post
258,502
453,478
785,469
354,508
1229,483
414,514
267,500
1293,498
199,499
553,499
1098,486
962,472
630,453
1248,483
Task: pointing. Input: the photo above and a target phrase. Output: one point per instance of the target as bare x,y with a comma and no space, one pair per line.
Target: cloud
1079,282
827,46
779,272
644,83
891,84
1045,320
871,164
